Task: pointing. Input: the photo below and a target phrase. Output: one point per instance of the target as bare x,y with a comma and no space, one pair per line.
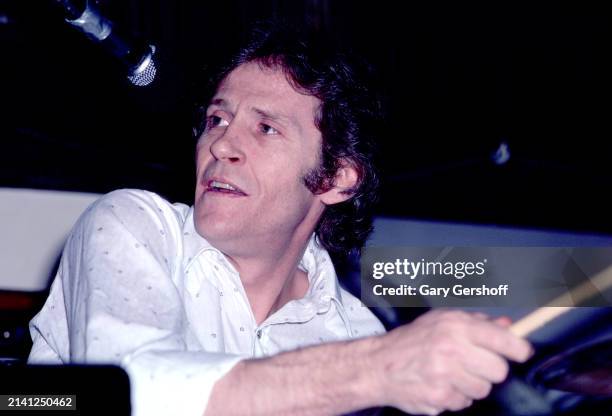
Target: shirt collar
321,273
194,244
323,288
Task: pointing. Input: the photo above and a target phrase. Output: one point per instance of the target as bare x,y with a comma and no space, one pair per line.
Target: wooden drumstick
541,316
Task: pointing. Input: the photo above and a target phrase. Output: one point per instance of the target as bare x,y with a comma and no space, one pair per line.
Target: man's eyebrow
277,117
219,102
281,118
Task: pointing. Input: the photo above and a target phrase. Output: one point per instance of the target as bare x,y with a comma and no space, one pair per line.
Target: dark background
459,79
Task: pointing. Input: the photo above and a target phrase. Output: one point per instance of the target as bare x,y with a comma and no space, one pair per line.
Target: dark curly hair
349,119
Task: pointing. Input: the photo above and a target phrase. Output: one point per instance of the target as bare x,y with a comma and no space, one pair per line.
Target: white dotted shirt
138,287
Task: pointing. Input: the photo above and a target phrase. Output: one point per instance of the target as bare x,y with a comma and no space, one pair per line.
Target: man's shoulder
363,321
139,203
134,210
139,198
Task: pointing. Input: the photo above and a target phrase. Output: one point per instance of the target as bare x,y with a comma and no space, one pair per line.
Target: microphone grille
145,73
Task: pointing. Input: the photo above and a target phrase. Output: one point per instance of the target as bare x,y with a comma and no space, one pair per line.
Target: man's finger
487,365
497,339
503,321
471,386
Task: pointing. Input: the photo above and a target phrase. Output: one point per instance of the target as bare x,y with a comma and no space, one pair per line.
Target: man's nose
227,147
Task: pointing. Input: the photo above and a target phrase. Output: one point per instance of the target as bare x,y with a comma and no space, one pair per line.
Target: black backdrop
459,79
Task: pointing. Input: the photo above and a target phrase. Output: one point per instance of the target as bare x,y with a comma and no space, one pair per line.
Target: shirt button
259,333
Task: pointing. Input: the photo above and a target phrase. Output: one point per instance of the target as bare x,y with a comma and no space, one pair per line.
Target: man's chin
217,231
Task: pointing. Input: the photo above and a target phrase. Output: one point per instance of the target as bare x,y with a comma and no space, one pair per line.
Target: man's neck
272,280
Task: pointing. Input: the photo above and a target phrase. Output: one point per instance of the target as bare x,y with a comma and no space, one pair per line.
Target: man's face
259,142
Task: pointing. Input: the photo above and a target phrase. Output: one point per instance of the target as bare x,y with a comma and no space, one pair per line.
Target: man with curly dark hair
218,308
348,117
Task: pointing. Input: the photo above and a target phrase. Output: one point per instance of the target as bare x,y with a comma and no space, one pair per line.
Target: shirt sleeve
118,298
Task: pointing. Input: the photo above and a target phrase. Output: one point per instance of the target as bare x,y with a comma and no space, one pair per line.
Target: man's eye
266,129
215,121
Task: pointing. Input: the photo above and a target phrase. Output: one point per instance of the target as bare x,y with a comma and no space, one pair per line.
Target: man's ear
345,180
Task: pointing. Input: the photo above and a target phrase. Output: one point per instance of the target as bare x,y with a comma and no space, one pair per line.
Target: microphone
135,56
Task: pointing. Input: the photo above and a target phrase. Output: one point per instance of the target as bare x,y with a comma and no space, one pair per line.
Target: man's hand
444,360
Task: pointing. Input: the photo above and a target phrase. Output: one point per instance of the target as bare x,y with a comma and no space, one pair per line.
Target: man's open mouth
223,187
